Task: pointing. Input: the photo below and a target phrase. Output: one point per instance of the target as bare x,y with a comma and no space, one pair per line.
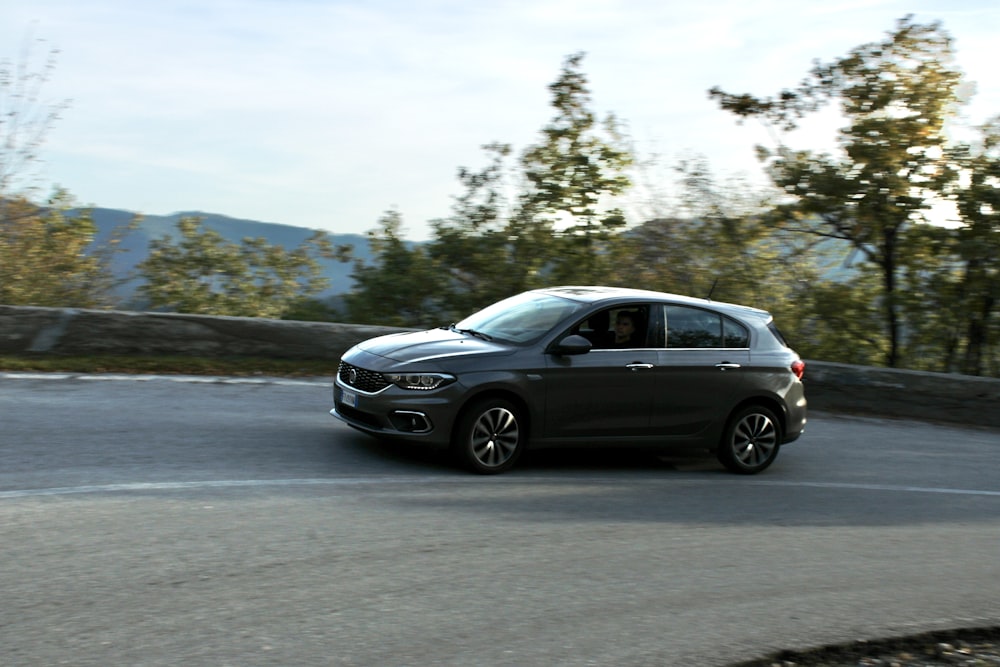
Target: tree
716,243
977,247
475,246
203,273
47,254
500,240
836,319
25,120
896,96
572,175
47,259
401,288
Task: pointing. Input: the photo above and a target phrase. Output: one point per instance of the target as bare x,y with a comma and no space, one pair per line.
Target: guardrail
829,386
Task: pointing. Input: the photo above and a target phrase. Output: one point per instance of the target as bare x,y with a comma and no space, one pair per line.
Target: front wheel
751,440
489,436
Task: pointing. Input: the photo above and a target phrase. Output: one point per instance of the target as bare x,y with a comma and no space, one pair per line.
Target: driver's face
624,326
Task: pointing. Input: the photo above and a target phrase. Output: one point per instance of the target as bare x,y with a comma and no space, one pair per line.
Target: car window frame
645,307
722,317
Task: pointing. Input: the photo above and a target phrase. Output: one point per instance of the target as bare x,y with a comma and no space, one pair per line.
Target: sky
328,113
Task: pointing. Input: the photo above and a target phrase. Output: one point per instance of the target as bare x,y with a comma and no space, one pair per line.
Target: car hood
431,345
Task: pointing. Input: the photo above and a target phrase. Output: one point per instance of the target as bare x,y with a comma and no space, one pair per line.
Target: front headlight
420,381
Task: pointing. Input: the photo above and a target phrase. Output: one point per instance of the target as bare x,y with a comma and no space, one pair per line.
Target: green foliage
716,242
46,255
578,168
402,288
477,247
45,258
311,310
975,252
203,273
557,229
837,320
896,96
929,301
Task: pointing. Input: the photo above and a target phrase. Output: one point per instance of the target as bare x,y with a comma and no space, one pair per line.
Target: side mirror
574,344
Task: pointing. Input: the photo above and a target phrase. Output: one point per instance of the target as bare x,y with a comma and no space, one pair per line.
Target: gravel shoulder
972,647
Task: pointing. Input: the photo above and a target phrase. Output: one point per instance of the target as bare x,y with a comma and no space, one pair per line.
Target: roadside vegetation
842,246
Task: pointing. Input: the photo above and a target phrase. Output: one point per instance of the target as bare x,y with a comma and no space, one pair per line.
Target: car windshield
520,319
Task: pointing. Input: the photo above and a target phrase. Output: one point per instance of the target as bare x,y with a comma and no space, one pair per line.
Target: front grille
361,379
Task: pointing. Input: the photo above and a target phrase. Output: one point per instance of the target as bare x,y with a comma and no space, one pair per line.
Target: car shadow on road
391,456
409,458
614,459
640,486
571,462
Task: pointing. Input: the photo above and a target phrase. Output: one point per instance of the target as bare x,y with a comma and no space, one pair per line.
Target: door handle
637,366
725,366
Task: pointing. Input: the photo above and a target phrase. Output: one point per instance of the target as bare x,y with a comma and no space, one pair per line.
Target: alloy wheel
751,442
495,437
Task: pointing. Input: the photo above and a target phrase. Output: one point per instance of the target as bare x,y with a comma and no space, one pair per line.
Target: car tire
751,440
489,436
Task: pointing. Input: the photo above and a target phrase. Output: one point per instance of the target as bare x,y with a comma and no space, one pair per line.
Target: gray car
578,366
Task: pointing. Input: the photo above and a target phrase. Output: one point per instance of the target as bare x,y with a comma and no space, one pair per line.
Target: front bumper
424,417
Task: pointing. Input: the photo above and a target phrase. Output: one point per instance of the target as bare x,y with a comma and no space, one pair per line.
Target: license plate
349,398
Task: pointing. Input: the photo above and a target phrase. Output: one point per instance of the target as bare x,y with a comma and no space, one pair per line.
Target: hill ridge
135,245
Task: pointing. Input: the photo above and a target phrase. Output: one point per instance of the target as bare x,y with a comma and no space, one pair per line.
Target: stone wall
829,386
941,397
81,332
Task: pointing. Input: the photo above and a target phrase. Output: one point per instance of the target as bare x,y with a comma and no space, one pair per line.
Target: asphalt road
167,522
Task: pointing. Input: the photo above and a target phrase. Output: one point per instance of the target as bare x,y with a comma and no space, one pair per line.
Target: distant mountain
136,243
841,263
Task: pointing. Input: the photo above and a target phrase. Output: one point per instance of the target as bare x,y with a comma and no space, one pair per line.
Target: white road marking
437,480
879,487
209,484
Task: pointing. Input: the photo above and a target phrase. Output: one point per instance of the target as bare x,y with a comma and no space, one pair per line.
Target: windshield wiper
470,332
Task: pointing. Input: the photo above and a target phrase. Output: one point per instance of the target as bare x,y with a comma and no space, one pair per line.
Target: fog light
409,421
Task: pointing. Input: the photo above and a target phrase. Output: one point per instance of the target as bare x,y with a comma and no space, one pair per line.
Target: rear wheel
489,436
751,440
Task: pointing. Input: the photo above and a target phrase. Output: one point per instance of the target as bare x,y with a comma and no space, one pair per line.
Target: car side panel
695,388
604,393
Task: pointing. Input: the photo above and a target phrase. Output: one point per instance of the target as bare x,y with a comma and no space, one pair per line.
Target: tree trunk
978,338
888,264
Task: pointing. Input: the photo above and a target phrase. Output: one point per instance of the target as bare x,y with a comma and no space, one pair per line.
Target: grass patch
171,365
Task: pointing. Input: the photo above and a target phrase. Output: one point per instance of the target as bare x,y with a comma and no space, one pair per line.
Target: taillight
799,368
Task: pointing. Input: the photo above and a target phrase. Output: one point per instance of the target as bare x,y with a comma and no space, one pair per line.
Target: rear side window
697,328
693,327
734,333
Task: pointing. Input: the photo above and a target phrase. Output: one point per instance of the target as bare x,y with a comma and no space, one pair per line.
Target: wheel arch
493,393
769,402
752,438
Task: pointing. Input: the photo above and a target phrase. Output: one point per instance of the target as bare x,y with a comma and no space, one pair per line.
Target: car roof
595,294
